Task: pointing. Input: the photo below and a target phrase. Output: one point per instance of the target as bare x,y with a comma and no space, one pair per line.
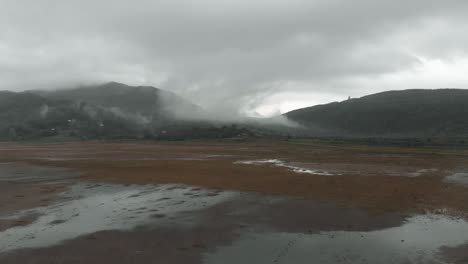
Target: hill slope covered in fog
118,111
145,102
110,111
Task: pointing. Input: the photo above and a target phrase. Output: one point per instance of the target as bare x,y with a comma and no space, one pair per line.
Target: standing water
93,208
417,241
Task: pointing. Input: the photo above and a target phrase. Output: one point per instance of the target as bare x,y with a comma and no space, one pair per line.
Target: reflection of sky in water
294,167
417,241
459,177
105,207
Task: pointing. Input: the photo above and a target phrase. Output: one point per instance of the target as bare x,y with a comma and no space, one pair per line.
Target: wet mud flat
89,208
232,203
109,223
24,186
377,178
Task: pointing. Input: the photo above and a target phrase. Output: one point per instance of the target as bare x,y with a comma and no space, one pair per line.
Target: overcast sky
255,56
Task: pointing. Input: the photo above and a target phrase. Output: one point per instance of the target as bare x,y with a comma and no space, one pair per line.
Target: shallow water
417,241
459,177
292,166
91,208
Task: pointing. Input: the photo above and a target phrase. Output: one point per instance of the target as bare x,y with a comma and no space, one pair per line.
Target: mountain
119,111
27,115
408,113
108,111
16,107
141,103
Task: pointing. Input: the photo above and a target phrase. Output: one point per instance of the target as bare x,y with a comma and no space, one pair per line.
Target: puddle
296,167
104,207
416,241
420,172
459,177
331,169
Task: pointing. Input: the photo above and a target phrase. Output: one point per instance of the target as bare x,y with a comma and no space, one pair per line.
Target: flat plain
212,201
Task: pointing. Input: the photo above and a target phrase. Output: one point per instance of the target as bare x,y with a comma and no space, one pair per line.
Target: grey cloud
225,55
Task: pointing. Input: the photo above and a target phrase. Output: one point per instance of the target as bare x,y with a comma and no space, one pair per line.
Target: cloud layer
256,57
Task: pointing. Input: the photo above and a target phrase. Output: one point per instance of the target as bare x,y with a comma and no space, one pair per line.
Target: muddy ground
295,188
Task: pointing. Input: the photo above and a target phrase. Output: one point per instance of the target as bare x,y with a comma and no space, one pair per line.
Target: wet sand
311,193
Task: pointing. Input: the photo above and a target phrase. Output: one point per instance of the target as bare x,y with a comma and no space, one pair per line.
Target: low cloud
236,57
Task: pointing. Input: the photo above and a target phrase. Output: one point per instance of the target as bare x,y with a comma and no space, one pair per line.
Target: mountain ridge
118,111
108,111
414,112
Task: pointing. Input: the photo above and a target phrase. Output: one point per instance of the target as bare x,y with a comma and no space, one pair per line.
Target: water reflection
417,241
92,208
